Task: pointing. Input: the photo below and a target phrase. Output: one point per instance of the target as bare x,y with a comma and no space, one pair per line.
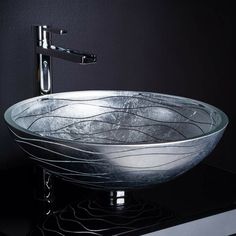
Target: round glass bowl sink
115,139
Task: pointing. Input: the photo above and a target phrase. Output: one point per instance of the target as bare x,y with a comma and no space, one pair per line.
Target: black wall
176,47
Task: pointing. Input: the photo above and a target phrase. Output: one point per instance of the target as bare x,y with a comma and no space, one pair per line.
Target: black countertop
203,191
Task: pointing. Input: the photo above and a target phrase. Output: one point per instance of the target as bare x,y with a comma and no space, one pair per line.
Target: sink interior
116,117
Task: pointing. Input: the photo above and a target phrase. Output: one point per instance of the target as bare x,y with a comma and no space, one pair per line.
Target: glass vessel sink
115,139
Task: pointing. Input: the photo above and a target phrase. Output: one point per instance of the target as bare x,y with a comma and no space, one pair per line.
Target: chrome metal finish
67,54
44,191
48,192
45,50
54,30
117,198
43,75
116,140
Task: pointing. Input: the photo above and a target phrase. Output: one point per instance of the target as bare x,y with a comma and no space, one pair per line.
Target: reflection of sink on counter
116,139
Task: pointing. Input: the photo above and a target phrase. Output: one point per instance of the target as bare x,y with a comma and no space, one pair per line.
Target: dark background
182,48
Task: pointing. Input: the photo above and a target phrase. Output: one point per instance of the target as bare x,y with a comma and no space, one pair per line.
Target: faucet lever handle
55,30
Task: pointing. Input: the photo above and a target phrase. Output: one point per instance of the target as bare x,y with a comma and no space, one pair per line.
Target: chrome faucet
45,50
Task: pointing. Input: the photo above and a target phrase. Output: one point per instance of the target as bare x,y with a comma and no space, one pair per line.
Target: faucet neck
43,68
44,51
43,36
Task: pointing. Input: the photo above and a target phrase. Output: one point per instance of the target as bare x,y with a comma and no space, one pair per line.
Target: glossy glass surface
116,139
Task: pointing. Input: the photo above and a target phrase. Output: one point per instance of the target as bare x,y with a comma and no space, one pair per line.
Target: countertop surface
203,191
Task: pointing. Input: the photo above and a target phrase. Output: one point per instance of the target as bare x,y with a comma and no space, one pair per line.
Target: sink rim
222,125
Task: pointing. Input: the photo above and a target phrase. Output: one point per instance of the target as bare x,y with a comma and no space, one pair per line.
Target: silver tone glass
116,139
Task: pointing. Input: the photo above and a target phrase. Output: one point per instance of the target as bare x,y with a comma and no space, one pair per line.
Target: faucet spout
45,51
67,54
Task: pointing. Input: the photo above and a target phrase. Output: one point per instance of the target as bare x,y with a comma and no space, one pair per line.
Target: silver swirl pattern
88,217
115,139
